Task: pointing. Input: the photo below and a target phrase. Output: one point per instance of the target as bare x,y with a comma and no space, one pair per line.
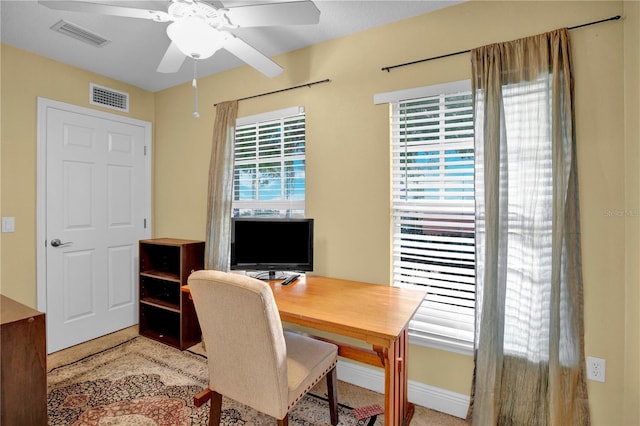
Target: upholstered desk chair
251,359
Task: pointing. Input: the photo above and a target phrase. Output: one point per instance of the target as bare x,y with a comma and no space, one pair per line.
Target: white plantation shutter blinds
433,215
269,172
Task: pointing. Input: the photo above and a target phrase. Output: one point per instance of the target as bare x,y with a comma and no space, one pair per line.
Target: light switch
8,224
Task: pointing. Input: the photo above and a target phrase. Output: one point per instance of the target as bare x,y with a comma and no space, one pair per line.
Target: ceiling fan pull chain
194,84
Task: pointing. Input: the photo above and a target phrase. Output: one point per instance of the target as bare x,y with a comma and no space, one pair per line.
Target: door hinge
145,223
145,150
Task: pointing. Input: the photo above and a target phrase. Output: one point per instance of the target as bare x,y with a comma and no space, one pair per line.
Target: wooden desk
376,314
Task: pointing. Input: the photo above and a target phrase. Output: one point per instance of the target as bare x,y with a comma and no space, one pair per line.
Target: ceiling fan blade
215,3
269,14
106,9
252,56
172,60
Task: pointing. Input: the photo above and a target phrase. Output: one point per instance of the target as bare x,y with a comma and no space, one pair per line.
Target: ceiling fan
198,29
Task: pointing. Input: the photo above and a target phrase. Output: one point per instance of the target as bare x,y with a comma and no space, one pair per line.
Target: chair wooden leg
215,410
332,391
200,399
284,421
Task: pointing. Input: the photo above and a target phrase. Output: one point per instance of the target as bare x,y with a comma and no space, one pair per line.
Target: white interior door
96,207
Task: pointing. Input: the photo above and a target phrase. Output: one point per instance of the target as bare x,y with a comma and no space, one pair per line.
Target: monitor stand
266,275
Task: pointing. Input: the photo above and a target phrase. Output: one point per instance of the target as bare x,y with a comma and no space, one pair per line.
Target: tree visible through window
433,215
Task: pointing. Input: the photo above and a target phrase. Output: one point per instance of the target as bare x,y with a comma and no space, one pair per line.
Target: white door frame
41,216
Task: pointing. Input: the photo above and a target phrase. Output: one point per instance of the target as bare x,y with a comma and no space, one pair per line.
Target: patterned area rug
143,382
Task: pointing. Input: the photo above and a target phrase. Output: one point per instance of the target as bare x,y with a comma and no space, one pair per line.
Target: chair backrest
244,340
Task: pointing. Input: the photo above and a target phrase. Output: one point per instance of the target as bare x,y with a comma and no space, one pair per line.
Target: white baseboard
452,403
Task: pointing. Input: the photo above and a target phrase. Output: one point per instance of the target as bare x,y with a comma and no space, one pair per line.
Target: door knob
57,243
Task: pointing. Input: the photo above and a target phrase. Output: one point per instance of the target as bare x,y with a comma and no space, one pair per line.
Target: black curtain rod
389,68
326,80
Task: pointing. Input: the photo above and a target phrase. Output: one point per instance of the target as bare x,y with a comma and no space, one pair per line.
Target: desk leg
397,409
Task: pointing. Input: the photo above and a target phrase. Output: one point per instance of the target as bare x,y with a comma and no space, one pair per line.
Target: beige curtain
220,195
529,348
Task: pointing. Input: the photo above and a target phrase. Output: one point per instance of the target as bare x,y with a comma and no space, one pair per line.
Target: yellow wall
348,159
1,210
25,77
631,387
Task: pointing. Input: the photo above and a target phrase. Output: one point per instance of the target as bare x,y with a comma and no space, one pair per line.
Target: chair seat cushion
308,360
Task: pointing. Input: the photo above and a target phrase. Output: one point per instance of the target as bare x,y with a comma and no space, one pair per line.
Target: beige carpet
348,394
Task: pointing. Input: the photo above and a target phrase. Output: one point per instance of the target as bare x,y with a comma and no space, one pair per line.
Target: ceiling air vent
79,33
105,97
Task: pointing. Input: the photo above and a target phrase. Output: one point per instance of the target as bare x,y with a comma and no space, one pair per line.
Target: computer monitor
272,244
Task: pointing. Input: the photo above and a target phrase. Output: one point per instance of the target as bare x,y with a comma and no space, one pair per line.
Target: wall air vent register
109,98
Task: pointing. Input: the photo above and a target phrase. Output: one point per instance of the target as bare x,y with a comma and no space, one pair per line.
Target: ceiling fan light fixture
194,37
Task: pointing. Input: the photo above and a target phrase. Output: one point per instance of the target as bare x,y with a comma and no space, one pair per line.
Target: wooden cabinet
23,375
166,314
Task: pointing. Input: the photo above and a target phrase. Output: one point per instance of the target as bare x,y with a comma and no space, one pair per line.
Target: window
433,214
530,172
269,170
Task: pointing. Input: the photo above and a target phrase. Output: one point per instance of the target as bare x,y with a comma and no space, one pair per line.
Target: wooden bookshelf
165,266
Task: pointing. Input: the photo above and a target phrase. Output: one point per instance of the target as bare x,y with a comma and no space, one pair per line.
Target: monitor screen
271,244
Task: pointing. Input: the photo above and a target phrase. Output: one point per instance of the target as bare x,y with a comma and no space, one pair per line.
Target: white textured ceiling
137,45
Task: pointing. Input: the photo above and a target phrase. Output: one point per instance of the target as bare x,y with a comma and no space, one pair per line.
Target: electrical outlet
596,368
